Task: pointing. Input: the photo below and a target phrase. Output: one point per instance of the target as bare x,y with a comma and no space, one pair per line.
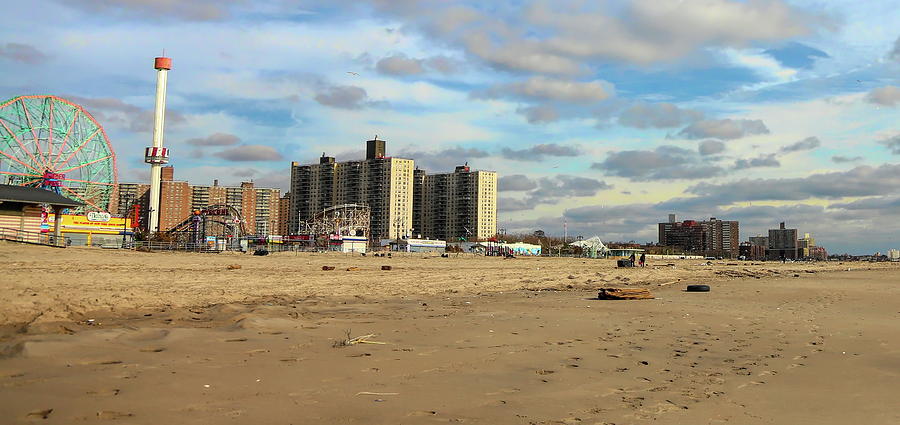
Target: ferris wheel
54,144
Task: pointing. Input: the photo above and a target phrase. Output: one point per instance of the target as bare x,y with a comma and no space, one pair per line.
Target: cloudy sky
605,115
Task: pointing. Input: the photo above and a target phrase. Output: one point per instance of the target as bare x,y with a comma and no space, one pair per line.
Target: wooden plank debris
624,294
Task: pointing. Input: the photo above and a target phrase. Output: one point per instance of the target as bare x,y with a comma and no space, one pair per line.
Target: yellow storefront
93,228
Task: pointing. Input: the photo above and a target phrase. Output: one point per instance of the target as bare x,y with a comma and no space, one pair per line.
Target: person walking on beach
631,259
643,259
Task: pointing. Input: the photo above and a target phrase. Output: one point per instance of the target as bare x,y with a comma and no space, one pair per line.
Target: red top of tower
163,63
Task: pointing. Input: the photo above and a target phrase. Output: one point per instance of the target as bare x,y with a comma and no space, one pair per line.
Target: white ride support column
156,155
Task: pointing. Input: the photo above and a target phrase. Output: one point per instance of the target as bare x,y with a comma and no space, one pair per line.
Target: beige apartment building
404,201
267,211
381,182
461,205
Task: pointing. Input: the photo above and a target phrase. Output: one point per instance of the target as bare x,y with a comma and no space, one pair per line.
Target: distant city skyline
606,116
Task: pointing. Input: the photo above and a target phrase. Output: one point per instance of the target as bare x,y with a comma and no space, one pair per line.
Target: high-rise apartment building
131,194
174,199
381,182
721,238
418,204
204,196
267,211
687,235
783,243
457,205
259,207
713,237
284,209
312,190
760,241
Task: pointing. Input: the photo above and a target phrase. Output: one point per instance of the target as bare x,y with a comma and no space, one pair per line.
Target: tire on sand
698,288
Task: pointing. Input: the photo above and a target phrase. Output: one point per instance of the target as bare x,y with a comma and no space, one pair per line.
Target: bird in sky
353,73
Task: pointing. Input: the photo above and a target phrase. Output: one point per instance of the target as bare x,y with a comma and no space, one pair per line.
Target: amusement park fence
176,246
36,238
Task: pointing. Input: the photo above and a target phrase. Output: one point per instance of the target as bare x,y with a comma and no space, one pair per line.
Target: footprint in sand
751,383
422,413
112,415
153,350
109,392
39,414
236,340
103,362
504,391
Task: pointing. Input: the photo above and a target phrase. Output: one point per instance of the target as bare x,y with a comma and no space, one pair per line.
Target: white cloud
887,96
544,88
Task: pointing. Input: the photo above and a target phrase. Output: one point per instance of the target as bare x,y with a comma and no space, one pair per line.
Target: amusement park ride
341,226
54,144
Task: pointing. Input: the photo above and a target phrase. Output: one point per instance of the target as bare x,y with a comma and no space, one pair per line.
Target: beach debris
261,252
697,288
326,268
233,266
621,264
43,414
352,269
571,276
363,339
371,393
386,267
111,414
624,294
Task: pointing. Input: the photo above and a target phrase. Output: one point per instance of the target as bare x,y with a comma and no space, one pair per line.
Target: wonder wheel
54,144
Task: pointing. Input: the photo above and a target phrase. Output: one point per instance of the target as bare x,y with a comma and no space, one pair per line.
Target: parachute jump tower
157,155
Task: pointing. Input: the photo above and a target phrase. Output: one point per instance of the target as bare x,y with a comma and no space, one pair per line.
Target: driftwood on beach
624,294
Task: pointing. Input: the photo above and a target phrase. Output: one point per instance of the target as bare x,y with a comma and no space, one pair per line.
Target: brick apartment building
713,237
178,199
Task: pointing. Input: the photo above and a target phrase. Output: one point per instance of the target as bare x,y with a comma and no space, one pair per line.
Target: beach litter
386,267
233,266
364,339
326,268
697,288
624,294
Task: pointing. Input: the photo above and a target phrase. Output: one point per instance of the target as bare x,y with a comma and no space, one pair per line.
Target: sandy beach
93,336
